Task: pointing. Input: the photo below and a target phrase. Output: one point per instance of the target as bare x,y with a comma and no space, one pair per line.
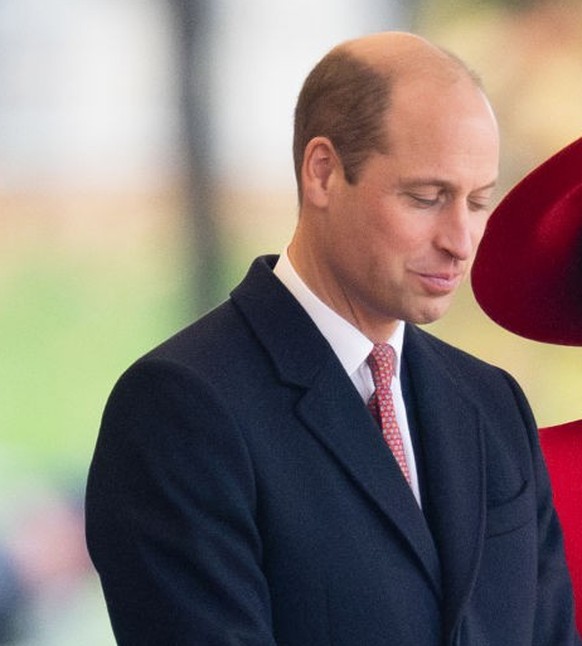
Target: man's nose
456,231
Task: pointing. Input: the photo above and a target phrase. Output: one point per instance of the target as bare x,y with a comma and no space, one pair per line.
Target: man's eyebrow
418,182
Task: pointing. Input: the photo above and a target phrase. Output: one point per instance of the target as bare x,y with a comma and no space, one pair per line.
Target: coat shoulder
451,355
484,382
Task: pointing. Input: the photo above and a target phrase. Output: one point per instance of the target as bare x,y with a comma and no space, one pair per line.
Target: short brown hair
343,99
346,100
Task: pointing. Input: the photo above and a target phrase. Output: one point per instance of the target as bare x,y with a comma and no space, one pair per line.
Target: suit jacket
241,493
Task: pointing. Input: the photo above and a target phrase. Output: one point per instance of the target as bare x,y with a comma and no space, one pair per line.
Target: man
259,480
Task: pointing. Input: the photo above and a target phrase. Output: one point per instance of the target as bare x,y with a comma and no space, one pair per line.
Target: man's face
397,244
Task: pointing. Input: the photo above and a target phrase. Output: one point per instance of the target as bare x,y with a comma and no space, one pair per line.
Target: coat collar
281,325
333,412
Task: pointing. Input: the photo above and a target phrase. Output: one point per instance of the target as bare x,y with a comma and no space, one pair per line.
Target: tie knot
382,360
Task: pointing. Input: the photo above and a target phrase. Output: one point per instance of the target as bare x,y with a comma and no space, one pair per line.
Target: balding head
402,54
347,95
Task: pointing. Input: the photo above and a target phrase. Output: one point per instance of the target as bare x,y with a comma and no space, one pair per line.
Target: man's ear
320,162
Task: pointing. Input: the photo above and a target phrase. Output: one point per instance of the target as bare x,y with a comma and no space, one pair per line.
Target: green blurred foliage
71,322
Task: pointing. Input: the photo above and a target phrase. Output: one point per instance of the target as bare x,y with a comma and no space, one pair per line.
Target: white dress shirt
352,349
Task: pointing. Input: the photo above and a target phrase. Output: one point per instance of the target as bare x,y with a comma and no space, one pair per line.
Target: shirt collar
349,344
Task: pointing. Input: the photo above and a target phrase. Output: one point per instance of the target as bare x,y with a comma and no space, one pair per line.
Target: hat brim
527,274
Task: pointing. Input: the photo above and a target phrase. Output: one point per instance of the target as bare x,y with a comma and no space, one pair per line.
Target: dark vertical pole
194,43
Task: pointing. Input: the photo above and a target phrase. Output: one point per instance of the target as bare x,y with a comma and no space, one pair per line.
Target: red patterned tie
381,362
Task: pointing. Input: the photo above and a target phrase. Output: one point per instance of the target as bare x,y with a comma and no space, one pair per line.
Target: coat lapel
334,412
452,437
331,409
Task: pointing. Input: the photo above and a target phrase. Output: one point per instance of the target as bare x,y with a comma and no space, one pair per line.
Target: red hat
527,274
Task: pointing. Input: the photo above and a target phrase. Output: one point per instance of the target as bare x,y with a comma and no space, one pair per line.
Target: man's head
396,151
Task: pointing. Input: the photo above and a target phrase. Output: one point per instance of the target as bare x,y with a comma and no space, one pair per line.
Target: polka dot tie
381,361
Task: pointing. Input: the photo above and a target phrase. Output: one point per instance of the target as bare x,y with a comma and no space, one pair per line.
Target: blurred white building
88,87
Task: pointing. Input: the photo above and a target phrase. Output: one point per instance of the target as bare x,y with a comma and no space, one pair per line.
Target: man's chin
432,314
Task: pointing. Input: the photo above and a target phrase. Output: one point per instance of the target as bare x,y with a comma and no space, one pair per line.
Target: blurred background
145,159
